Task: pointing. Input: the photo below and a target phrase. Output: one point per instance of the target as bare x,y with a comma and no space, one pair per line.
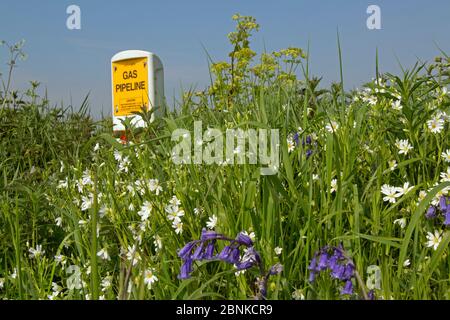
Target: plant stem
94,266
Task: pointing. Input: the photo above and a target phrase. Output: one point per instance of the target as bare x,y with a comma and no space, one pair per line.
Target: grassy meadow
363,176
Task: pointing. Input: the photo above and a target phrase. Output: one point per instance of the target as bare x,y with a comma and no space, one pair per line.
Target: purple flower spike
209,252
339,265
244,240
186,269
447,217
323,261
296,136
348,288
349,271
276,269
234,256
245,265
198,253
256,256
205,249
443,203
333,262
209,235
313,264
431,212
186,250
223,255
309,153
308,140
338,272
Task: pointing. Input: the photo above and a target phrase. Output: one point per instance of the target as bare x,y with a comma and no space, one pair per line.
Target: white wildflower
87,202
403,146
401,222
173,212
36,252
124,164
406,263
446,155
106,283
212,222
117,156
63,184
434,239
103,254
298,295
390,193
290,144
404,190
149,277
133,255
436,125
331,127
86,178
333,185
154,186
198,211
177,225
397,105
58,221
157,242
392,165
175,201
445,176
145,211
60,259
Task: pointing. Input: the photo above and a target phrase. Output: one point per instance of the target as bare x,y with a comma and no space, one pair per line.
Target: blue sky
70,63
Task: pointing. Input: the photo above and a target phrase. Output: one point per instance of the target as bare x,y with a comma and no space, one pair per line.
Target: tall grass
69,186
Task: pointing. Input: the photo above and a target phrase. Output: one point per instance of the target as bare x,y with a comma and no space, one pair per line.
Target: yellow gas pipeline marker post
137,82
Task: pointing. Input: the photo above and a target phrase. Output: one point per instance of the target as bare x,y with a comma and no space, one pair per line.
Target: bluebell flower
209,252
296,138
349,271
244,265
348,288
443,208
205,248
223,255
234,256
308,140
323,261
186,250
443,203
431,212
244,240
447,217
209,235
276,269
334,260
198,253
186,269
338,272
